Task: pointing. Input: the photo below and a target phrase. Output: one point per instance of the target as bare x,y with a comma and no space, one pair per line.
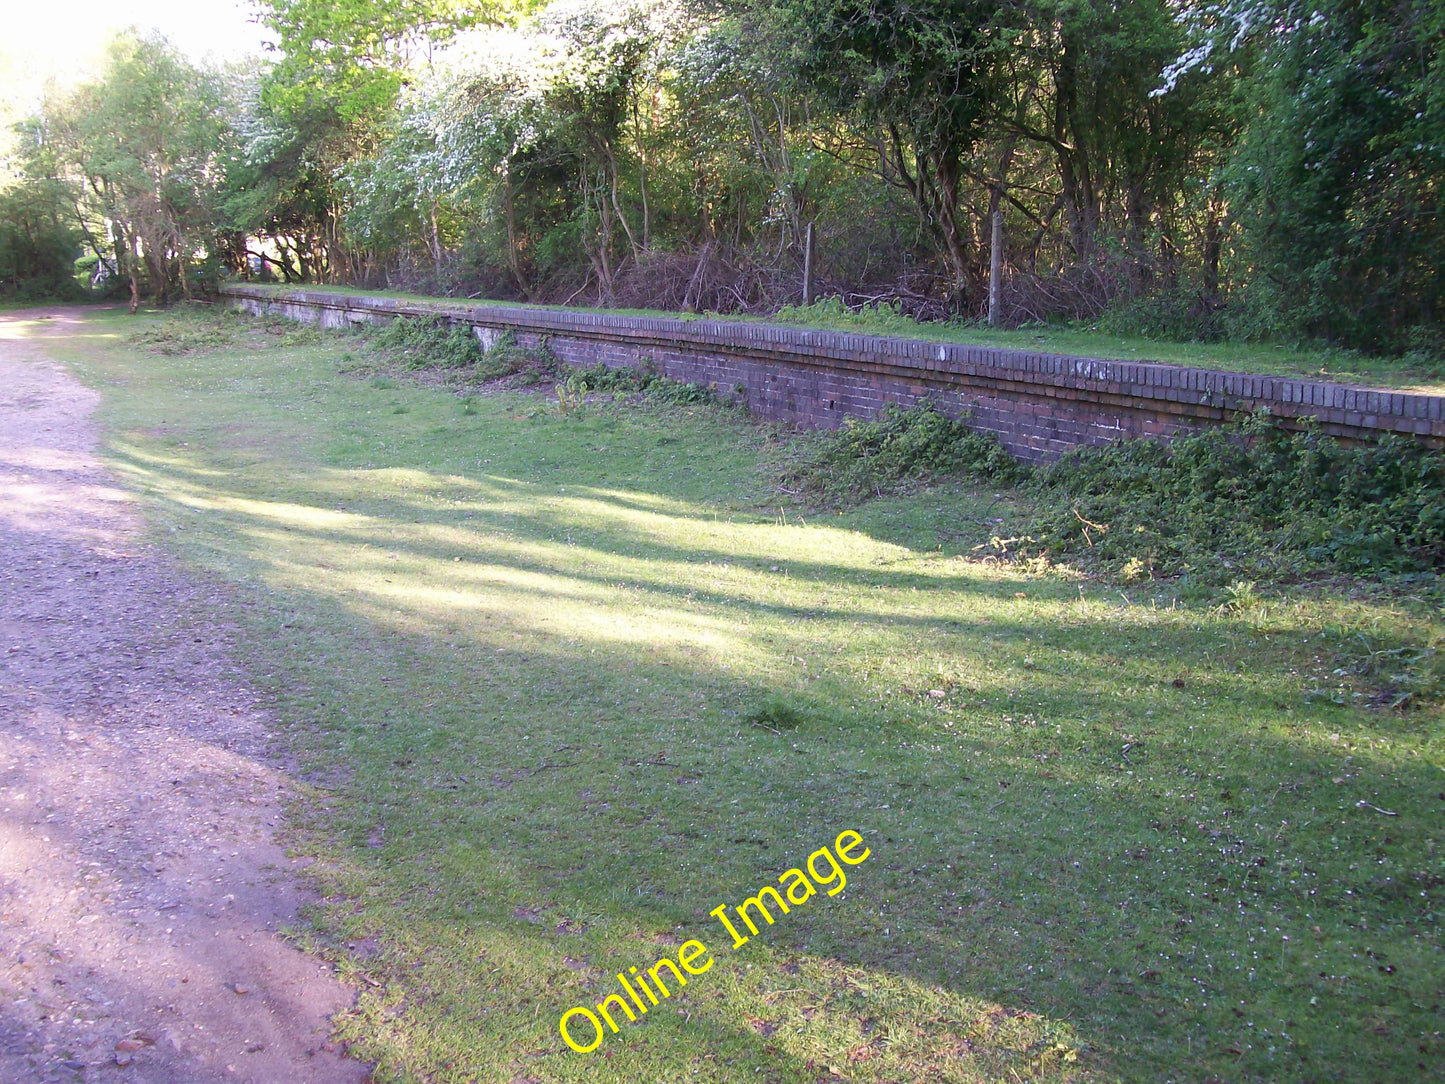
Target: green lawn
1272,359
561,685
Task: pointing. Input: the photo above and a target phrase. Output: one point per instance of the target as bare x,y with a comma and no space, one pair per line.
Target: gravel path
140,885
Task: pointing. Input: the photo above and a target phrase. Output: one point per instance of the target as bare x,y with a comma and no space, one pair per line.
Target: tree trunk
808,265
1211,251
514,259
995,256
436,244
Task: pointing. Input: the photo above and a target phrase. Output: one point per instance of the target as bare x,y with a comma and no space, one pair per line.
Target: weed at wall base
1253,500
865,459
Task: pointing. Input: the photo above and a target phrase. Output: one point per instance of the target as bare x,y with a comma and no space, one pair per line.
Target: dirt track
141,889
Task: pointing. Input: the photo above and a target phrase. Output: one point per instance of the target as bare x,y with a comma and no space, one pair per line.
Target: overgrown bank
1221,504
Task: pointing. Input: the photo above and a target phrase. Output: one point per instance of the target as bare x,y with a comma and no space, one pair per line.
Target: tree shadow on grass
1183,870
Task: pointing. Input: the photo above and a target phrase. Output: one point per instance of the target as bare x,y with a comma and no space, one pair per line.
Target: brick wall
1038,405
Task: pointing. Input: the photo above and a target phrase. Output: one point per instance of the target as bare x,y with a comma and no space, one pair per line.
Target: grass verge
564,683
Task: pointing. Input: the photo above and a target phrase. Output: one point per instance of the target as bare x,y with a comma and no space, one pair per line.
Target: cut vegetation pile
646,382
897,450
197,327
1250,499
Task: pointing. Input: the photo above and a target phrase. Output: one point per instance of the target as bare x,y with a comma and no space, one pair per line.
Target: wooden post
808,265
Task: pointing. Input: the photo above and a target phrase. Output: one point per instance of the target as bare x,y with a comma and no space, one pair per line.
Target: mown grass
519,655
1272,359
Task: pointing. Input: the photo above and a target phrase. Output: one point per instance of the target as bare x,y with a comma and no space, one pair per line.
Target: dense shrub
863,459
1249,499
1178,315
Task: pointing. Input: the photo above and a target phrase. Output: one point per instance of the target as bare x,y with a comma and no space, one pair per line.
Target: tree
355,54
38,242
144,146
1340,181
917,77
1124,155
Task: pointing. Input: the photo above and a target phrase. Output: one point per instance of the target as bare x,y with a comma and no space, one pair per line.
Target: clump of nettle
1218,505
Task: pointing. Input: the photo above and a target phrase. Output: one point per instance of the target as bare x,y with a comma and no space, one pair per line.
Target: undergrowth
518,365
418,343
865,459
1217,506
877,318
646,381
427,343
1245,500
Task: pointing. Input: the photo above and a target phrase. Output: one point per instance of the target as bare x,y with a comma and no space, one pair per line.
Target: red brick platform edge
1038,405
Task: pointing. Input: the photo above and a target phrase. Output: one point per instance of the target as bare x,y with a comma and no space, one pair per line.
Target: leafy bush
1177,315
1248,499
37,253
863,459
428,343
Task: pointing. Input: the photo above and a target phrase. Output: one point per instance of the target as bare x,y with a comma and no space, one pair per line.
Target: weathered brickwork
1039,405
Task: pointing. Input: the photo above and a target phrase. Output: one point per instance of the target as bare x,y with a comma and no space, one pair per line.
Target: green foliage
199,328
916,76
353,53
572,396
1171,315
141,150
506,360
1405,675
859,460
873,318
419,343
646,381
428,343
1252,500
186,332
38,248
1337,181
776,713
